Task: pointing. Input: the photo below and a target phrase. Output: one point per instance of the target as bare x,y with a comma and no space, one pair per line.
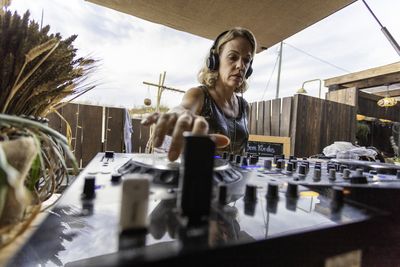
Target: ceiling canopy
270,20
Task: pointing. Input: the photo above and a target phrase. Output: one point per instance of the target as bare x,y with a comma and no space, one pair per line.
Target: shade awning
270,20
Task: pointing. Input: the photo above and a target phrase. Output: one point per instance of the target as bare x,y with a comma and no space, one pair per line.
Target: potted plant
38,70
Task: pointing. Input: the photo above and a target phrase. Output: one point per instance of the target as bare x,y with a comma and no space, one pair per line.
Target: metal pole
279,71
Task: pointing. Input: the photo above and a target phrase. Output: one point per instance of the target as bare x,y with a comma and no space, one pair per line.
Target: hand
175,124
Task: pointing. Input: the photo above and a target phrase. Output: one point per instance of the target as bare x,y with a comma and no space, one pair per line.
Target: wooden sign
268,146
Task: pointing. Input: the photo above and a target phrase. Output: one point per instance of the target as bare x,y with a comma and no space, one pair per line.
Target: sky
132,50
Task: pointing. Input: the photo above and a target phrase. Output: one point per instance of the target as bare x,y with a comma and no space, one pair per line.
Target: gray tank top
234,128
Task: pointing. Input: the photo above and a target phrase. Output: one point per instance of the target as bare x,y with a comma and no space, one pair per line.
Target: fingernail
173,155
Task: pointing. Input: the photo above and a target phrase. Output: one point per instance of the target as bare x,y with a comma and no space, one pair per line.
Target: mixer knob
250,193
317,175
238,159
116,178
289,167
253,160
231,157
243,162
342,167
332,174
280,164
291,191
109,154
272,191
302,170
398,174
267,164
89,188
346,173
225,155
292,157
294,164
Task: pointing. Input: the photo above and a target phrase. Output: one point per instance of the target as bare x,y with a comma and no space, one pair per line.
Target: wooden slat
136,135
276,117
71,114
253,116
144,137
347,96
114,132
91,119
392,93
267,117
285,116
367,105
260,118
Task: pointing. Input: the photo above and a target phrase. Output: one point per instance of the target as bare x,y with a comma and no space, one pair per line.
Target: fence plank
276,116
285,116
267,117
136,135
260,118
144,137
114,130
91,118
253,116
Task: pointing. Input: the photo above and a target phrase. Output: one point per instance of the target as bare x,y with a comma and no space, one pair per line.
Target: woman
214,107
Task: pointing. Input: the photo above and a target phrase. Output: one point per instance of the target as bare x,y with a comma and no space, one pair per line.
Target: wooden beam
391,93
365,74
374,82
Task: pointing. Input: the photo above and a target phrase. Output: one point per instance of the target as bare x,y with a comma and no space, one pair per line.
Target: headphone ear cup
213,62
249,72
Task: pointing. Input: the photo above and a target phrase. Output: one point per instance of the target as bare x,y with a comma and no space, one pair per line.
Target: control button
294,164
292,157
358,180
222,194
342,167
267,164
225,155
109,154
332,174
116,178
317,175
250,193
272,191
346,173
231,157
291,191
272,205
398,174
89,188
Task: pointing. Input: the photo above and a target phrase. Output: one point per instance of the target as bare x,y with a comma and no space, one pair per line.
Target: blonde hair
208,77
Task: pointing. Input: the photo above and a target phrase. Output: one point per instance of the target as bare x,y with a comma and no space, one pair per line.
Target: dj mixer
141,209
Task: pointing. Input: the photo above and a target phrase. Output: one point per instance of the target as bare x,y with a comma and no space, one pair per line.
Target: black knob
272,191
89,188
225,155
267,164
291,191
342,167
317,175
109,154
116,178
280,164
332,174
250,193
222,194
292,157
231,157
294,164
358,180
244,162
253,160
346,173
238,159
302,170
373,172
398,174
289,167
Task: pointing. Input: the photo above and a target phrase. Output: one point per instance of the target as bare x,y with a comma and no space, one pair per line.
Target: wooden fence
311,123
97,129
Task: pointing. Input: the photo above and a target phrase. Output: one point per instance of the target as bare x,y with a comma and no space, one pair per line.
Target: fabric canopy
270,20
